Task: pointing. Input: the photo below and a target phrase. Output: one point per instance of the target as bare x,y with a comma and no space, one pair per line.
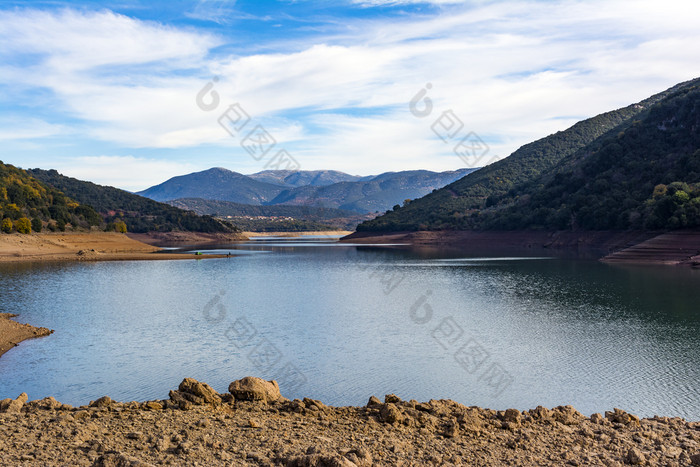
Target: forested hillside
644,138
27,205
140,214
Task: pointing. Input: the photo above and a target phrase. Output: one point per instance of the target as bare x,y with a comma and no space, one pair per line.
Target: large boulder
251,388
13,406
192,392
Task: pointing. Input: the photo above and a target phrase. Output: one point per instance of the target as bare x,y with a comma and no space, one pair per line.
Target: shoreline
680,247
253,424
12,332
319,233
82,246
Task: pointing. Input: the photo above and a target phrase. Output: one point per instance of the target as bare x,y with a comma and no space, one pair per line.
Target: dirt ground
12,332
203,428
94,246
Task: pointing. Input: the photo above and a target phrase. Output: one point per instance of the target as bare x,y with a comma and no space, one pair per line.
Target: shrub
23,225
6,225
37,225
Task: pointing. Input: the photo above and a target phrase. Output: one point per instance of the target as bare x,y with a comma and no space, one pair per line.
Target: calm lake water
341,323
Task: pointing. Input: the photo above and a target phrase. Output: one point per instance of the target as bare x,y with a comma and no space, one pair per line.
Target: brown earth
197,426
679,247
95,246
12,332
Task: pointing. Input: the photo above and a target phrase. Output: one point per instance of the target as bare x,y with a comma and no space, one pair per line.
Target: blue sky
107,91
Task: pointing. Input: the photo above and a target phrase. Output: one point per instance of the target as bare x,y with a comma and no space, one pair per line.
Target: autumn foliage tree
23,225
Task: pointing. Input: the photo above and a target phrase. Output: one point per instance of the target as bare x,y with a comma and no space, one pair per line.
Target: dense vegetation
137,213
640,177
598,174
27,205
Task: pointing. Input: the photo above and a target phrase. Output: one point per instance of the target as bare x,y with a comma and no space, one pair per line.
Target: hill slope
23,196
217,183
378,194
140,214
360,194
459,206
291,178
646,176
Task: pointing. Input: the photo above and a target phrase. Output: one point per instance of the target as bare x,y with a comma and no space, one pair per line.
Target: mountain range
633,168
328,189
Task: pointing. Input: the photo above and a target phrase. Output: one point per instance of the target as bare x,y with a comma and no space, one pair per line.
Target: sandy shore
98,246
12,332
249,426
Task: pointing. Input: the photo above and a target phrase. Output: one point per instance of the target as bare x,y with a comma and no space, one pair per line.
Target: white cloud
27,129
513,71
126,172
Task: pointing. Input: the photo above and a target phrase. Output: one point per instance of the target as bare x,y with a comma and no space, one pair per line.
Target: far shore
81,246
318,233
12,332
681,247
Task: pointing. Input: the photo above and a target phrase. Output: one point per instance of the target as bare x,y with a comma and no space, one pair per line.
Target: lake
340,323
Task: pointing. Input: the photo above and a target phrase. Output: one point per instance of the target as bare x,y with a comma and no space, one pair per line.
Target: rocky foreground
254,425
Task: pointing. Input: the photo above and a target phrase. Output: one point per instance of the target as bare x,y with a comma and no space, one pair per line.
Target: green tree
37,225
23,225
6,225
120,227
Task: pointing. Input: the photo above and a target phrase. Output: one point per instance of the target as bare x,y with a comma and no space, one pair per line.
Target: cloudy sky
131,92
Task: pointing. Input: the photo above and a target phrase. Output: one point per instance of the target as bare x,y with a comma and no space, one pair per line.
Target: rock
374,402
254,423
390,413
695,459
309,403
512,415
104,401
541,413
451,430
251,388
618,416
635,457
152,405
192,392
597,419
13,406
47,403
567,415
392,399
81,414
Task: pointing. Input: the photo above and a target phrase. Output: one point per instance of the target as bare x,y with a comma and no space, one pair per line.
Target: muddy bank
253,424
94,246
680,247
191,238
12,332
